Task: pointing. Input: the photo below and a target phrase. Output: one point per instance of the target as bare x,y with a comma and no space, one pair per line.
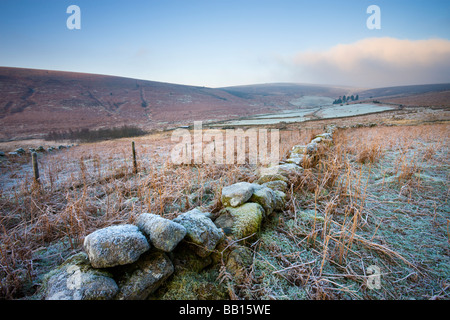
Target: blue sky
226,42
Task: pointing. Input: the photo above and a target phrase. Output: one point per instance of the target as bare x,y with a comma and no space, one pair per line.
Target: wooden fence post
35,166
135,169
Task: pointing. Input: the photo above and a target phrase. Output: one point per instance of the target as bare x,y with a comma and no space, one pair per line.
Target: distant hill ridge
404,90
34,102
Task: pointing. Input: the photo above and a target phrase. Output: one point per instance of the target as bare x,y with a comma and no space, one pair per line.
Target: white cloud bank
376,62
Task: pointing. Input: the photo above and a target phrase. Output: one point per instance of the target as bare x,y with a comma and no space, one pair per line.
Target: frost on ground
318,111
389,211
351,110
377,197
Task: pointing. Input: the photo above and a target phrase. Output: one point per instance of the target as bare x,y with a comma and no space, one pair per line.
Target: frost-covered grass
378,197
351,110
326,111
287,114
91,186
390,211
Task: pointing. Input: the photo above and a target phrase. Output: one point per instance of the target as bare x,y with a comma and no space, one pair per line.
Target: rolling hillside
401,91
35,102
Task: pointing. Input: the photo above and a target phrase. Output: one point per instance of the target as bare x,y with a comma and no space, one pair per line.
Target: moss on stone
76,279
277,185
185,259
265,197
272,177
238,260
191,285
298,149
247,219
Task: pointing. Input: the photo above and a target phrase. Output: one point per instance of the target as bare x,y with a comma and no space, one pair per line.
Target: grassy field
377,198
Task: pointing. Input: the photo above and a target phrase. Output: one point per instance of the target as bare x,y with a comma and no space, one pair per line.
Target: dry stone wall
130,262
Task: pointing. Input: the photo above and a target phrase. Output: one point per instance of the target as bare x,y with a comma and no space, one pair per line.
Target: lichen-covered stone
140,279
331,129
115,245
316,140
296,159
191,285
325,136
279,200
241,221
276,185
298,149
238,260
164,234
265,197
20,151
75,279
200,231
236,194
311,148
271,177
225,221
184,259
286,170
